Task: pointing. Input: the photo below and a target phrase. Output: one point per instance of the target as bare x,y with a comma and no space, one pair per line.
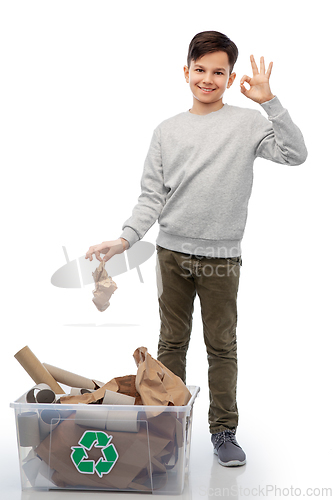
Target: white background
83,85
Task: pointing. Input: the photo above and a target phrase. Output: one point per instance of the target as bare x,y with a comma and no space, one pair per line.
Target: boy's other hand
259,90
109,248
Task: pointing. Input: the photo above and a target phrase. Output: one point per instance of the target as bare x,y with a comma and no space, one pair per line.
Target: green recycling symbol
99,439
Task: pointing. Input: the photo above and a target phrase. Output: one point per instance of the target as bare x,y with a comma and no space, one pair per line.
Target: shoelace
223,437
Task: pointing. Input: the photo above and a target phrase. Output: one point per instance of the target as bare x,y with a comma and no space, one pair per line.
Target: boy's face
209,77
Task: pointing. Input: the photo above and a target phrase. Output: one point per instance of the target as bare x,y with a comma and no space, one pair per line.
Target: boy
197,182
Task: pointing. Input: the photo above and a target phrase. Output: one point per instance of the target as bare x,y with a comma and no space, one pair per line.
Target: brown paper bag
156,384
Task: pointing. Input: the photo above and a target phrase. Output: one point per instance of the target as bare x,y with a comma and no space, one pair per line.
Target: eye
198,69
219,72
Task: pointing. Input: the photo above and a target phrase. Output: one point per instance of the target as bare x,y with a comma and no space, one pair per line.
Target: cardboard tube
36,370
69,378
28,429
49,419
45,396
76,391
41,393
115,398
125,421
96,419
30,396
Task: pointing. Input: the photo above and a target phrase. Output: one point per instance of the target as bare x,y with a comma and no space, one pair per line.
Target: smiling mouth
204,89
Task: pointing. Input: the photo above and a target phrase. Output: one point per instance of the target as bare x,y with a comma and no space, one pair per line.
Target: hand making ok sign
259,90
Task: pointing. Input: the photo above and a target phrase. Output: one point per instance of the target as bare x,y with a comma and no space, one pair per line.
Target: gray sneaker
227,449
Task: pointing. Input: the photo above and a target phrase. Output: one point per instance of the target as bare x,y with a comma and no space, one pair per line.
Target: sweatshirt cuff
130,235
272,107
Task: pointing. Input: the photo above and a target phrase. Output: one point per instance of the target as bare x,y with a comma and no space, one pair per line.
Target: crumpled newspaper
104,287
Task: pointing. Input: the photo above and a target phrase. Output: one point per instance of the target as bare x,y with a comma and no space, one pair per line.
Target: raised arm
277,139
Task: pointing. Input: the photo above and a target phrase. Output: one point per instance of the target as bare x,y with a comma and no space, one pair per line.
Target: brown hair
211,41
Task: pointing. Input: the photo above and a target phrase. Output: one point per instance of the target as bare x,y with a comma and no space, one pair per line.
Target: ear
231,79
186,73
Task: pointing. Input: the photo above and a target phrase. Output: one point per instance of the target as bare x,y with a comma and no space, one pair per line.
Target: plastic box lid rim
194,390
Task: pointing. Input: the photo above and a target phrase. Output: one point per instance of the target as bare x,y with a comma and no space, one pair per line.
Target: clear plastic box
104,447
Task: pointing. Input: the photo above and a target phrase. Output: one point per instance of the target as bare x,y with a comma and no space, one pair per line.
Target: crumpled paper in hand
104,287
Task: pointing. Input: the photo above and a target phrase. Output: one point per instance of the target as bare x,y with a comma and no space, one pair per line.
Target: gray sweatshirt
198,174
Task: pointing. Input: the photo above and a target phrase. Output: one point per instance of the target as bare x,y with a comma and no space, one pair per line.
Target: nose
207,78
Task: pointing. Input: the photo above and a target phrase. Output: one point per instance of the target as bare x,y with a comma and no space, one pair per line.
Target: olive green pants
179,278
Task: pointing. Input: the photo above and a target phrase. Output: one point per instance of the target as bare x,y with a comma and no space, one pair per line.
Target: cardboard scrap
104,287
123,385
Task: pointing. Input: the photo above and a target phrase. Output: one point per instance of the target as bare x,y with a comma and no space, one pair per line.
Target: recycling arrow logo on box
98,439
